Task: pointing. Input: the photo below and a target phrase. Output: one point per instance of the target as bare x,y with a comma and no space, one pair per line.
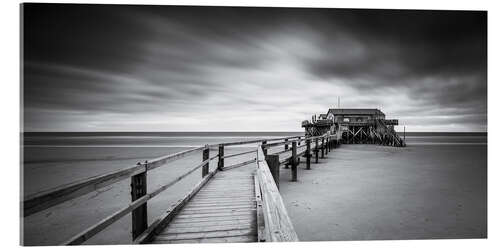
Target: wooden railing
141,232
273,222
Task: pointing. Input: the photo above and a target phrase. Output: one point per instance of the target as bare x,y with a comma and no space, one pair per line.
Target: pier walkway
235,203
223,211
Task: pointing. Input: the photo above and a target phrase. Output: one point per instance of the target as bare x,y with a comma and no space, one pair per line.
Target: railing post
273,161
220,164
322,147
138,186
299,140
316,150
286,148
308,154
294,161
206,156
264,149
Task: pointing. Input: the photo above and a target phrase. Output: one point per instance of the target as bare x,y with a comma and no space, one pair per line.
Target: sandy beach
368,192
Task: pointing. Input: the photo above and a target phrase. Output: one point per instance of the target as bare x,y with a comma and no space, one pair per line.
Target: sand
368,192
51,167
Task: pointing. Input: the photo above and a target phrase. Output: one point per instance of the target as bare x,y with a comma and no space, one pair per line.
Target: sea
49,153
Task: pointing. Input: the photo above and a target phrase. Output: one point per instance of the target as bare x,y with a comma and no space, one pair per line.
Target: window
346,119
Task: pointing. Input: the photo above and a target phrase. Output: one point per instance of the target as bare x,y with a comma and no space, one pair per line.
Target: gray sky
160,68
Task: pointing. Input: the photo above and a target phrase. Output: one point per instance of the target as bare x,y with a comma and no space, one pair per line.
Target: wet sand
368,192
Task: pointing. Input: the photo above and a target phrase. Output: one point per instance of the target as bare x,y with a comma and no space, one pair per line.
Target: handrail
277,224
254,141
237,154
48,198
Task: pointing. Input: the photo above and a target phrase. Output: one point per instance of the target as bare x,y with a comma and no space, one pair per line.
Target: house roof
356,112
322,116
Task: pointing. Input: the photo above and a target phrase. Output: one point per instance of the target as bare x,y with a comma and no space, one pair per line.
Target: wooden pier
235,203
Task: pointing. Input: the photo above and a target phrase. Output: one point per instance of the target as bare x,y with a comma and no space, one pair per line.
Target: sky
174,68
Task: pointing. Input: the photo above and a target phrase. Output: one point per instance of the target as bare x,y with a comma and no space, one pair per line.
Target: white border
9,54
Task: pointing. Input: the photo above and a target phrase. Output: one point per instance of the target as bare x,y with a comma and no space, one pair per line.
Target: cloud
166,68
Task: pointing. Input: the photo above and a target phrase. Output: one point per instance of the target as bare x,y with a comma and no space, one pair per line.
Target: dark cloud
175,67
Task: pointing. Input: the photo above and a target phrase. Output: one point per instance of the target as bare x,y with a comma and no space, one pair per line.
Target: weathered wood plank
233,239
238,154
239,164
162,160
211,219
162,221
278,225
51,197
183,224
260,217
209,228
205,235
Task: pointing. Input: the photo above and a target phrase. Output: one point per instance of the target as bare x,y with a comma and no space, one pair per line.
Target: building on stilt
356,126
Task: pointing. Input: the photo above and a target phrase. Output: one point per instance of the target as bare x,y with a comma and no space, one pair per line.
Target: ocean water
84,154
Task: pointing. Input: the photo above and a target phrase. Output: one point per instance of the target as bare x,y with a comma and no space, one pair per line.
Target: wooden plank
102,224
162,221
210,223
242,153
51,197
278,224
239,164
54,196
260,219
205,235
202,229
162,160
171,183
218,211
223,204
219,201
213,219
221,214
233,239
217,208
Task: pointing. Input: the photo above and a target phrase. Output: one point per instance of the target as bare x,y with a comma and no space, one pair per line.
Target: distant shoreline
200,133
